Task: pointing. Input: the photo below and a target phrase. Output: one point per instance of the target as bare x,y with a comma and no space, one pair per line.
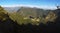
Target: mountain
11,9
34,12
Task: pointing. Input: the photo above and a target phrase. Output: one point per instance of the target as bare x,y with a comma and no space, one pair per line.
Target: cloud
25,5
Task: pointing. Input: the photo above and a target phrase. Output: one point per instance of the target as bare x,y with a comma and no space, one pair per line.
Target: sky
46,4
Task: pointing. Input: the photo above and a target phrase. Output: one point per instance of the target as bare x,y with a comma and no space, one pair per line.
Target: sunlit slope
19,18
3,13
29,15
32,15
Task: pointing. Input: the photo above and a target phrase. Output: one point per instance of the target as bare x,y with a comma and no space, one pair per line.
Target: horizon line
32,6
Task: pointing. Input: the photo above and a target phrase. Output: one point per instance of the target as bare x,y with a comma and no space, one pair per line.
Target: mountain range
27,11
11,9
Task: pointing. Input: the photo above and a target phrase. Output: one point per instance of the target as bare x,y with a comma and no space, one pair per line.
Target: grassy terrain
20,19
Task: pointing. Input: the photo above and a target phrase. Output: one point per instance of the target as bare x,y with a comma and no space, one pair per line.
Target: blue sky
31,3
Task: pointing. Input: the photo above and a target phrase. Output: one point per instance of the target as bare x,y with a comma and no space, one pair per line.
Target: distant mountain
11,9
57,12
35,12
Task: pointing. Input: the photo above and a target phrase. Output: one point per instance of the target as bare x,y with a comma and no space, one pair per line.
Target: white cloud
22,5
